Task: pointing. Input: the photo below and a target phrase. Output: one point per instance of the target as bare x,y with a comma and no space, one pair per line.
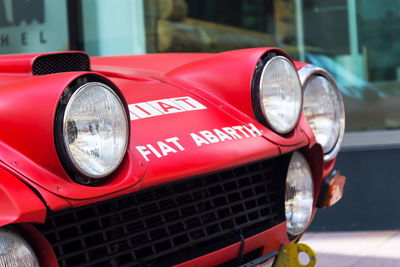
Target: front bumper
296,254
254,247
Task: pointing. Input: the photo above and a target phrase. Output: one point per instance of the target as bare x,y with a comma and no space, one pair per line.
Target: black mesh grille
172,223
62,62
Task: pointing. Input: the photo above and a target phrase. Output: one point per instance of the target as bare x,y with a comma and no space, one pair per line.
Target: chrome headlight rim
70,165
258,106
306,74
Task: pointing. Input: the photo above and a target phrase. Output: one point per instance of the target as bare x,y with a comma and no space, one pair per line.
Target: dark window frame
75,25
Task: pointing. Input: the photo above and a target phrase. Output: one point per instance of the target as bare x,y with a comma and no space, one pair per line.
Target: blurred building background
358,41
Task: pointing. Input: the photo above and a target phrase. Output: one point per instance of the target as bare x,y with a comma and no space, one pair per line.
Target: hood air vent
60,62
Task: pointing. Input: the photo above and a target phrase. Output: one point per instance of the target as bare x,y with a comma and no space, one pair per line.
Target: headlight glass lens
95,130
299,195
280,94
323,108
15,251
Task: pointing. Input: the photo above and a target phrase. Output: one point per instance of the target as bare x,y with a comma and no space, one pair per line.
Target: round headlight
324,110
95,130
299,195
278,95
15,251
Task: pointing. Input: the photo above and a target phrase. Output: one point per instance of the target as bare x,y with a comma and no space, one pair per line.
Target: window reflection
358,41
364,58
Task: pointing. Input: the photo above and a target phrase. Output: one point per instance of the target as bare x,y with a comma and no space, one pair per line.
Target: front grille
172,223
60,62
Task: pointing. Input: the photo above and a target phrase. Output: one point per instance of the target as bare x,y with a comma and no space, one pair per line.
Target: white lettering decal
188,103
143,150
253,130
221,135
231,132
209,136
175,140
158,155
165,149
240,129
198,140
143,110
163,106
172,145
166,106
132,116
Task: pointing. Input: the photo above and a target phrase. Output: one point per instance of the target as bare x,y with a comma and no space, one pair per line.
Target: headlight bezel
67,161
256,91
307,73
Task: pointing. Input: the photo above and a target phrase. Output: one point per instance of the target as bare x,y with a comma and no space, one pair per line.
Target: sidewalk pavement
345,249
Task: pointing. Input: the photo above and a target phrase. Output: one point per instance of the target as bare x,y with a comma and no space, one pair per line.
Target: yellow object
290,255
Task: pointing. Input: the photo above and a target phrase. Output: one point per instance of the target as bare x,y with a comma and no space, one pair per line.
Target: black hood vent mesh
62,62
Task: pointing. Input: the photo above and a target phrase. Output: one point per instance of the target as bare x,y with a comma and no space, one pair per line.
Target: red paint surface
17,201
300,65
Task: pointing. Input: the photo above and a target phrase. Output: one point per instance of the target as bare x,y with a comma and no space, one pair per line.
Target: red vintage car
163,159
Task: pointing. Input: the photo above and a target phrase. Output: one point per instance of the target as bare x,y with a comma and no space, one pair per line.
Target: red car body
215,130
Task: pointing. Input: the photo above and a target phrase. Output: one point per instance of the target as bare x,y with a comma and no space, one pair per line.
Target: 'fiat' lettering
161,148
163,106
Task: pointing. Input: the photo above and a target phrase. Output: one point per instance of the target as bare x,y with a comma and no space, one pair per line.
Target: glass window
113,27
33,26
213,26
358,41
254,15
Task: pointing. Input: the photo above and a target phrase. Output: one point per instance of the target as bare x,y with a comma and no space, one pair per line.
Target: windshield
358,41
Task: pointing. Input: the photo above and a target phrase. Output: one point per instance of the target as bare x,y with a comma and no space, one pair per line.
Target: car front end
160,160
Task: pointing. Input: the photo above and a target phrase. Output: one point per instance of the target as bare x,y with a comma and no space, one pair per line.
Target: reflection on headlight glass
281,94
299,195
322,110
95,130
15,251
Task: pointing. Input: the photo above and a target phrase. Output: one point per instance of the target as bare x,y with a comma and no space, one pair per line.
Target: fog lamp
299,195
15,251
